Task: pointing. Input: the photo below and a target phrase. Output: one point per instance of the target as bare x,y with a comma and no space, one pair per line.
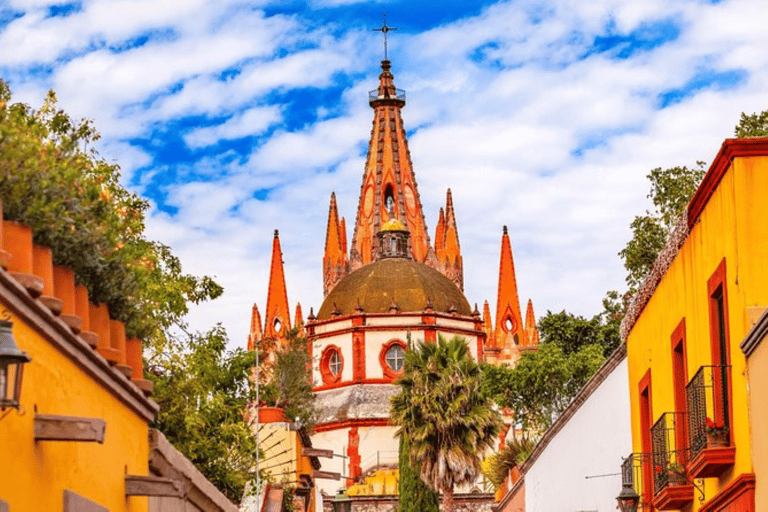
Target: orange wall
33,476
731,226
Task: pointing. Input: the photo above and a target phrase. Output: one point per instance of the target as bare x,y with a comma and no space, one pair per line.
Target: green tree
52,179
414,494
571,332
671,189
442,414
290,384
497,465
203,391
542,383
752,125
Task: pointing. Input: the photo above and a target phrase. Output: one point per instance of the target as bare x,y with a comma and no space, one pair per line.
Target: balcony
709,427
671,486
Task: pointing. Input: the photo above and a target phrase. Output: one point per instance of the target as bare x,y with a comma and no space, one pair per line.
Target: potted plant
676,474
717,434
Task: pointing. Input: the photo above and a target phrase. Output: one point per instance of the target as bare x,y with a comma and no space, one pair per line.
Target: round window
395,357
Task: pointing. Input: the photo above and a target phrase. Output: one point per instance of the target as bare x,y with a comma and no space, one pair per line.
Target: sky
236,118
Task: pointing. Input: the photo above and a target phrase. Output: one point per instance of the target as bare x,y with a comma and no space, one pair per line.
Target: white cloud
248,122
534,134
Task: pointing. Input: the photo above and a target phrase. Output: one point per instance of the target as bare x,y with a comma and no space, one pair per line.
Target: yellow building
688,390
76,437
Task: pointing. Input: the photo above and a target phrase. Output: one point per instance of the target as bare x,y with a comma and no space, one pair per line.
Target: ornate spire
509,328
531,339
335,259
440,235
255,334
451,257
278,315
490,339
389,184
298,320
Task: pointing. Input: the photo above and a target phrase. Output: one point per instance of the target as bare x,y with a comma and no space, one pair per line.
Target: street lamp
628,498
342,502
12,361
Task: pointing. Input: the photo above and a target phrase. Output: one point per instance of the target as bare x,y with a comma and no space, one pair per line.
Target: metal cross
384,29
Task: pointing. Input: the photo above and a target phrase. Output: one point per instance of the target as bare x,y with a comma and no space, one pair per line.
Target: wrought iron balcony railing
632,474
374,95
668,458
707,398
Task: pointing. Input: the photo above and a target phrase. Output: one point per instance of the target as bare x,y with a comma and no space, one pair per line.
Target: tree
571,332
542,383
51,179
441,413
671,189
752,125
290,384
497,466
203,391
414,494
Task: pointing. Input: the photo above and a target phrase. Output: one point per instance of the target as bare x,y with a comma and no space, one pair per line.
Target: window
720,344
331,364
646,421
679,381
395,357
334,363
392,358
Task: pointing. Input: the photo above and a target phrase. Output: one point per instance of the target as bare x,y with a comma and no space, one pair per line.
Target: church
390,283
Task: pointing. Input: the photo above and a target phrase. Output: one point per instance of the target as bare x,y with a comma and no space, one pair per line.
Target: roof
409,285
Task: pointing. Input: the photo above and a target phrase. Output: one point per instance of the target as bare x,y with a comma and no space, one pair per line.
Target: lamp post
12,361
342,502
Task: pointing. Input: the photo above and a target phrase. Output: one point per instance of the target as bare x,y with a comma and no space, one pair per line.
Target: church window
331,364
392,358
335,363
395,357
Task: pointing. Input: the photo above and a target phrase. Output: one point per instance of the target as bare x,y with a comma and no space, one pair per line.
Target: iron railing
668,458
374,95
632,474
708,406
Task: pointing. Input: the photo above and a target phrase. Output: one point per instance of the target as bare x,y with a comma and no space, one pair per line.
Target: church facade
392,283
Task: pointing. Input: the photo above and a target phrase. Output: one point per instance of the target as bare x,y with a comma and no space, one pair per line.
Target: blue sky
236,118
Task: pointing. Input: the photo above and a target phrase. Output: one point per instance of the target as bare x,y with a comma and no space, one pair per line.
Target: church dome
409,284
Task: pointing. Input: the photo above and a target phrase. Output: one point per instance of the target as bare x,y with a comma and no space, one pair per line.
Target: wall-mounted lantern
628,499
12,361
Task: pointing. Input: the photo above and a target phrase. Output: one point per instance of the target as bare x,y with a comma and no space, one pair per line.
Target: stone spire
277,315
531,339
509,332
255,334
335,258
389,186
298,320
451,257
440,235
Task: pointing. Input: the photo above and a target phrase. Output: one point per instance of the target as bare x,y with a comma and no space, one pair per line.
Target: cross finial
384,29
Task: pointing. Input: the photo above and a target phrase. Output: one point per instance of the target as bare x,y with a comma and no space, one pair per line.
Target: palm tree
440,412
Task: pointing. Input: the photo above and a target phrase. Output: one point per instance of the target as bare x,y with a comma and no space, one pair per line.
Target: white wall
591,443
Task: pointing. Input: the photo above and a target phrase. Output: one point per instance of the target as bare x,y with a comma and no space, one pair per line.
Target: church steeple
277,315
389,185
451,252
509,332
335,258
255,333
